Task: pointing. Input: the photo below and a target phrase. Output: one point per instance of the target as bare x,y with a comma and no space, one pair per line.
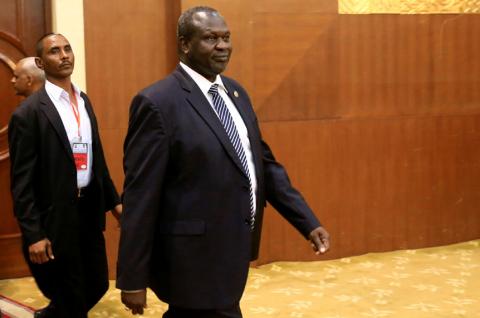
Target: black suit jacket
43,174
185,227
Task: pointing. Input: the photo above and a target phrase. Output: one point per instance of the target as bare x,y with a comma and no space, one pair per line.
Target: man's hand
320,240
117,212
136,301
40,252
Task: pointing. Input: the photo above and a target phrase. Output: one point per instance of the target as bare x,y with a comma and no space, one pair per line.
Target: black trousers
78,278
176,312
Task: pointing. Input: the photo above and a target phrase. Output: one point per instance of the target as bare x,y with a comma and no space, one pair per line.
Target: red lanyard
76,111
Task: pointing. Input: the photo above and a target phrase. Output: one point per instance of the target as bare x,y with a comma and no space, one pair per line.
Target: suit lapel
94,129
52,114
93,121
198,101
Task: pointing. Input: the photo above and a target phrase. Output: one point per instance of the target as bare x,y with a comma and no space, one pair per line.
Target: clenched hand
135,301
320,240
40,252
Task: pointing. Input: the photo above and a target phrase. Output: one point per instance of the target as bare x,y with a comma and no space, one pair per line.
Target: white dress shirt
204,85
61,100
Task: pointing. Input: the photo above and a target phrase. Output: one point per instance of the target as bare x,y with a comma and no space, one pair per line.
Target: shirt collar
57,92
203,83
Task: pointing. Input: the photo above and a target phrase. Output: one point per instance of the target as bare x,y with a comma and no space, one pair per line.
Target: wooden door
22,23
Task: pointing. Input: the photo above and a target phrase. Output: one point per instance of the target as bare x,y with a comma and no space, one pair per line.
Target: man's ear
39,63
184,45
29,80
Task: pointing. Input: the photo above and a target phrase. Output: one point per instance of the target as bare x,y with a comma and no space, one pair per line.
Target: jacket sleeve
23,158
284,197
110,194
146,155
279,191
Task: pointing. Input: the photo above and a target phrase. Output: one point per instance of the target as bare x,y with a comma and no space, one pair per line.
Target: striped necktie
231,130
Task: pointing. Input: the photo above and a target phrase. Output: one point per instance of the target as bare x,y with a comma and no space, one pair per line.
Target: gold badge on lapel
235,93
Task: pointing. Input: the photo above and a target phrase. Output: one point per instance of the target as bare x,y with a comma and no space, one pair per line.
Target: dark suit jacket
43,174
185,228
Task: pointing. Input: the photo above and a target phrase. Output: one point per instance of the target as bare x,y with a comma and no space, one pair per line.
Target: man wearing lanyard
61,187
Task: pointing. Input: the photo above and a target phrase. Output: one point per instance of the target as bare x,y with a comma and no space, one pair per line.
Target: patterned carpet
434,282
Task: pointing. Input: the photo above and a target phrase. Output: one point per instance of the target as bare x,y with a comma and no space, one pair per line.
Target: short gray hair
185,27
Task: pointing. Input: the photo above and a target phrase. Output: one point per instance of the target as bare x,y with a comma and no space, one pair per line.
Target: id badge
80,154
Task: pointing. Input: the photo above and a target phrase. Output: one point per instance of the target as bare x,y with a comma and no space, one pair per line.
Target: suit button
247,222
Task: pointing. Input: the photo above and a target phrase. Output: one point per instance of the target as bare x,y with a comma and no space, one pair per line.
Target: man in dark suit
61,187
197,178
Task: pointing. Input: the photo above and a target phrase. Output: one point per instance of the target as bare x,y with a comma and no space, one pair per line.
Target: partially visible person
27,77
61,187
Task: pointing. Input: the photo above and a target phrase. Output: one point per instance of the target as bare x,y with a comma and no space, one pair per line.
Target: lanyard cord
76,111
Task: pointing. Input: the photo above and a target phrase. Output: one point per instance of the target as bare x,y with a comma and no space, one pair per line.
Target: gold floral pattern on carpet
433,282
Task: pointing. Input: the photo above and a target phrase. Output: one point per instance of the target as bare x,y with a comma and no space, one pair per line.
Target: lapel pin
235,93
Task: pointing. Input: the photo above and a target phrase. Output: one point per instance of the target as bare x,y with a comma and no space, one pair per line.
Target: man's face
21,81
208,50
57,58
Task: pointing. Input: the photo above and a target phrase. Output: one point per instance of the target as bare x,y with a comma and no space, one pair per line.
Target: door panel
22,22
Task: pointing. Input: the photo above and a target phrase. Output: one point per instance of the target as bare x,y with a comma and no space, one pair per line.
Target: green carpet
434,282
